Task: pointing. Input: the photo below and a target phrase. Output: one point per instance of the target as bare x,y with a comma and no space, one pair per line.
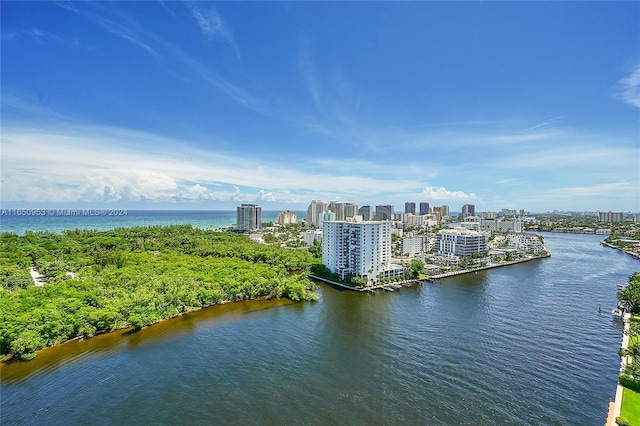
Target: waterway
524,344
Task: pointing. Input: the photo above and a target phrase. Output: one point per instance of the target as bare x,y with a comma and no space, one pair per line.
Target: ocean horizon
60,220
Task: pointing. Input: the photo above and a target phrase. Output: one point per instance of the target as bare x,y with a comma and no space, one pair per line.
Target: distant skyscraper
248,217
444,210
424,208
338,208
315,212
468,210
610,216
410,207
350,210
286,217
365,212
384,212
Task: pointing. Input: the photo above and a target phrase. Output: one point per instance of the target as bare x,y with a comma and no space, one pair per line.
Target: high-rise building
286,217
350,210
410,207
437,212
365,212
468,210
384,212
357,248
248,217
444,210
337,207
424,208
610,216
315,213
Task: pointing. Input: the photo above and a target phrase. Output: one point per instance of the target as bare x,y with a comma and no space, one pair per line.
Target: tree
630,295
316,249
415,269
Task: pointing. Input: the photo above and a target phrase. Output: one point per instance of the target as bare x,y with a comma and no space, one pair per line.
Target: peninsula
99,281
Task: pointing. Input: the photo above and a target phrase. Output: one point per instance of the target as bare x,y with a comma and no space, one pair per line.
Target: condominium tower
248,217
424,208
358,248
315,212
384,212
410,207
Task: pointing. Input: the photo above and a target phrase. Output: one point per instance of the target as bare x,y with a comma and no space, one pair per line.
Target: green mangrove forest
99,281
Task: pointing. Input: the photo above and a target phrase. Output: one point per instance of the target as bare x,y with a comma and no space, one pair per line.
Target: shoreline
630,253
482,268
431,278
615,406
9,358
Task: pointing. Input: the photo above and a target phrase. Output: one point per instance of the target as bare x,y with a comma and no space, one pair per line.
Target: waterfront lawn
631,407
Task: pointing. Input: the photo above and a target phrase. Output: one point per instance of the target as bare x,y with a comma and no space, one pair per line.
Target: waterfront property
359,248
460,242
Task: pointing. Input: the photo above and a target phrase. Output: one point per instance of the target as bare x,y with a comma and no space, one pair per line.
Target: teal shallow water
523,344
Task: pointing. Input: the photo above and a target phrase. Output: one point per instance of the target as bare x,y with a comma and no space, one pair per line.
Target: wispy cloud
213,27
545,123
98,163
308,70
628,88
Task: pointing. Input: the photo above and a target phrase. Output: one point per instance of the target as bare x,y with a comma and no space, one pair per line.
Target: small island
91,282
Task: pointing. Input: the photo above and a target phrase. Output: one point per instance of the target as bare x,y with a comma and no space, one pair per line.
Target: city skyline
210,105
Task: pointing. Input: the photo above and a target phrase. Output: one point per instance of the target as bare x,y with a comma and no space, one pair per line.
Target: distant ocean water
57,221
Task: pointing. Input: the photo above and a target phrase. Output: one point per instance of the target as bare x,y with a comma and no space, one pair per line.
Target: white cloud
266,196
442,194
628,90
96,163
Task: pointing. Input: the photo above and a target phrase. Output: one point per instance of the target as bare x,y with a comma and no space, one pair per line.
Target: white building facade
358,248
415,245
286,217
526,242
311,236
315,212
460,242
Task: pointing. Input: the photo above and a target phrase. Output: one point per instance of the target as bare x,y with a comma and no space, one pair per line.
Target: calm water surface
523,344
54,222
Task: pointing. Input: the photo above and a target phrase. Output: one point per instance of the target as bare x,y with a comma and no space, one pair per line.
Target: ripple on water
517,345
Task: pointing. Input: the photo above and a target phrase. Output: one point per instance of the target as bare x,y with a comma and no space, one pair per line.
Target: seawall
481,268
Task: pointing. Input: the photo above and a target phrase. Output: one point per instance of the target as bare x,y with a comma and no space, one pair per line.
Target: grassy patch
631,407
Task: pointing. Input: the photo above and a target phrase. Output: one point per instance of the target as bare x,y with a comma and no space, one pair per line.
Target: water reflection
51,358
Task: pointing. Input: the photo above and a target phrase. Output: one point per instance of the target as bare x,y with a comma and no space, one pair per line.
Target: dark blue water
523,344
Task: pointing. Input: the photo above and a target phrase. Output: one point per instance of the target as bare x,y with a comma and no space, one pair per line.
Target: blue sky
202,105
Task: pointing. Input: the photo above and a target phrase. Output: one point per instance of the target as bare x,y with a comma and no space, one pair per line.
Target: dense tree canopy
99,281
630,296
